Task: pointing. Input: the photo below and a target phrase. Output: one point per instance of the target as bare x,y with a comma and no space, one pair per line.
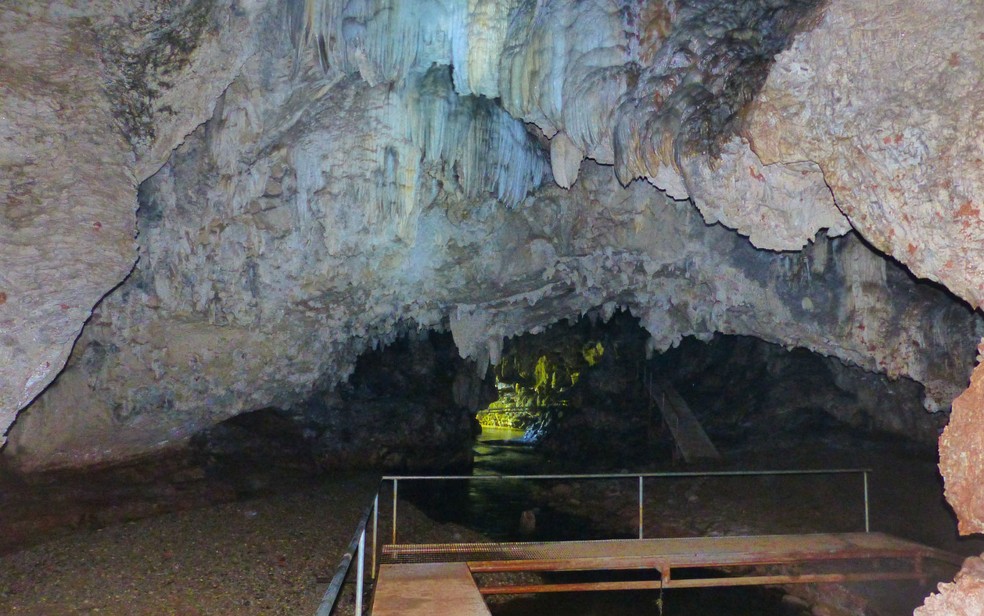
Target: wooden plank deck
427,589
692,553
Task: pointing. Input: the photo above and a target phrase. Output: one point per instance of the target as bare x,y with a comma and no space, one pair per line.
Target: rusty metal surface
747,580
659,553
818,558
666,557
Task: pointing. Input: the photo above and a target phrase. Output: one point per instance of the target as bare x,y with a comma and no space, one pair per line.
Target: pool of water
495,508
697,602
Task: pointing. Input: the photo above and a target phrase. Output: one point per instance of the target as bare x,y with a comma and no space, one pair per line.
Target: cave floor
274,554
269,555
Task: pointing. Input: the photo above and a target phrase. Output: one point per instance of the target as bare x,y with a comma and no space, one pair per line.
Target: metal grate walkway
880,556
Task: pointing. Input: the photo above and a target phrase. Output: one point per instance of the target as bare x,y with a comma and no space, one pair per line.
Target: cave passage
571,400
415,406
578,390
248,247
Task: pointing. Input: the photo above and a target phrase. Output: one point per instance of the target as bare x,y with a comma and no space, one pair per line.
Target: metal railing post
375,531
396,483
640,506
867,515
360,571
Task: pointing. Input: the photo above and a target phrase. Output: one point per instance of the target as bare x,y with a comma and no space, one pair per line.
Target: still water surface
494,508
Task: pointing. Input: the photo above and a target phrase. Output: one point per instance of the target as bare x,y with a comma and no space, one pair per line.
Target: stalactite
491,153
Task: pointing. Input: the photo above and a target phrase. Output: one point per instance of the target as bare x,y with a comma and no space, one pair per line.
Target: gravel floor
270,555
276,554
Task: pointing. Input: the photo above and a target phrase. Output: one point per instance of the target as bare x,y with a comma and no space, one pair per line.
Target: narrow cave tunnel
256,254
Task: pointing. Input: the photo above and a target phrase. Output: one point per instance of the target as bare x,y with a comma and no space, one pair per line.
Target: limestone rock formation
963,597
92,100
247,320
65,238
962,454
890,108
317,176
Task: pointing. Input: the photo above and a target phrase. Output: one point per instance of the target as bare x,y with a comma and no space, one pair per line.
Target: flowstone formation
93,98
317,176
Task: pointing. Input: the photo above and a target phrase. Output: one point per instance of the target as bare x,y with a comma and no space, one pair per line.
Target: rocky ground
273,553
270,555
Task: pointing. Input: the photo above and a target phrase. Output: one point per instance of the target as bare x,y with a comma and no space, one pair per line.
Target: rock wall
334,172
408,407
275,322
65,240
963,597
750,394
93,98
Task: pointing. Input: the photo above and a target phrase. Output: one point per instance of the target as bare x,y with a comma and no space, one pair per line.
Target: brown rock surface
962,455
887,99
963,597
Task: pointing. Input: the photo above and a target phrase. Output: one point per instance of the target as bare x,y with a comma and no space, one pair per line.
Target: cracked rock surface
67,197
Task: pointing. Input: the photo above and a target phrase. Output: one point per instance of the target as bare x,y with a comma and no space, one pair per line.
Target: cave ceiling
238,197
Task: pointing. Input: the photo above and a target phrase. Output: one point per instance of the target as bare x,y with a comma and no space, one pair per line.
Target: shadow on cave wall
408,407
748,395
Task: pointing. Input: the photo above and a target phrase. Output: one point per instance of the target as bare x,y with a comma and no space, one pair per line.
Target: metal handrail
640,476
356,547
669,474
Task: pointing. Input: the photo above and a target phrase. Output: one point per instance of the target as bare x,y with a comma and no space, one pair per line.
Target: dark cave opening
411,407
749,395
578,391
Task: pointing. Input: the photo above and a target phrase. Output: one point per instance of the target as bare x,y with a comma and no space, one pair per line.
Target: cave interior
250,245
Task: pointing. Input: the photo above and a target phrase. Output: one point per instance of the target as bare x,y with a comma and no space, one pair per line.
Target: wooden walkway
817,558
429,589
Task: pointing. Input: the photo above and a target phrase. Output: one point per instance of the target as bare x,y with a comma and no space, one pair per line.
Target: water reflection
496,509
505,509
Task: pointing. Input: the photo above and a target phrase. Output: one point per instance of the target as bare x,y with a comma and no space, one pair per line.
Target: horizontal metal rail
748,580
396,479
670,474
